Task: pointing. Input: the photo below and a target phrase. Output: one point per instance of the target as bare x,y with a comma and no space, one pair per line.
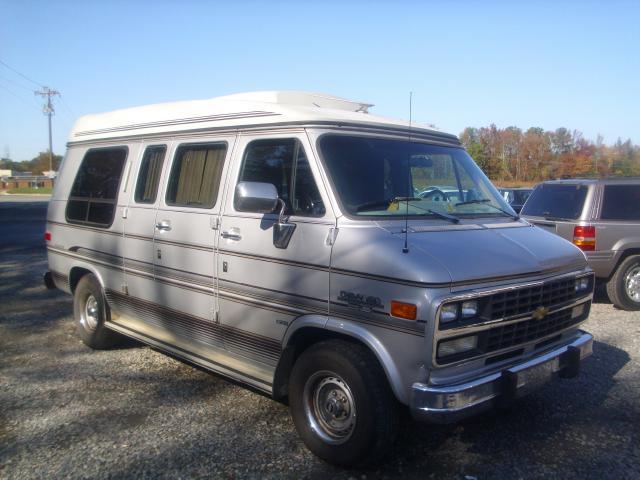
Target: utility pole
48,110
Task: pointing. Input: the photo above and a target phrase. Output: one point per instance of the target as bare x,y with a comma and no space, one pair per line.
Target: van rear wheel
624,286
341,403
90,311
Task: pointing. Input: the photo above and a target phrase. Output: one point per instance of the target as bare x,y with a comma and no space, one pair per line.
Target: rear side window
621,202
556,201
94,192
195,175
283,163
149,176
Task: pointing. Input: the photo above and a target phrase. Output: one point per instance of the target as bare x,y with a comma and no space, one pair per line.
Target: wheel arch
79,270
309,330
626,253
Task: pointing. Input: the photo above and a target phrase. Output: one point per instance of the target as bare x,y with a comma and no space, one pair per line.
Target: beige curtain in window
199,178
153,175
211,175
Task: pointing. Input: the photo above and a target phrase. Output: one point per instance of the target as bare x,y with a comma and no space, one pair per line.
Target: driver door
263,288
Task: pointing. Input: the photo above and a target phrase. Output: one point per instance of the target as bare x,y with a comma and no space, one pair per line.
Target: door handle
164,225
232,234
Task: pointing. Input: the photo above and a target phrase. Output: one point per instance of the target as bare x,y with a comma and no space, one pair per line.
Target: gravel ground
71,412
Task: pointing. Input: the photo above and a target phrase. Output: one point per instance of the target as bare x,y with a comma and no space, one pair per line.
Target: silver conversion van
348,264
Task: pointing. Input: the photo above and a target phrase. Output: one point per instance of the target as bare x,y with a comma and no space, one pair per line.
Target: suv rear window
621,202
556,201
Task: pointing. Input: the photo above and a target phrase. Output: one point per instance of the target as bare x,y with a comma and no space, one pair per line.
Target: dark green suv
602,218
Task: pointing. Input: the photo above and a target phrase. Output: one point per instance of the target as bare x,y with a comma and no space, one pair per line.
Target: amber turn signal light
404,310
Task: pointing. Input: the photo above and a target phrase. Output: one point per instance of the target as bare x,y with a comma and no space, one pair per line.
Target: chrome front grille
512,317
505,336
525,300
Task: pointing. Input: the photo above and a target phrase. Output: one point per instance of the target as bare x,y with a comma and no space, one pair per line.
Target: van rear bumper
446,404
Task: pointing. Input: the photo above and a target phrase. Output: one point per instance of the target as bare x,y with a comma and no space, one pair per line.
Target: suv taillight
585,238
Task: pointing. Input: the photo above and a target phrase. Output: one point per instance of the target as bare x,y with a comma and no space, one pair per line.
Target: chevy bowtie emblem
540,312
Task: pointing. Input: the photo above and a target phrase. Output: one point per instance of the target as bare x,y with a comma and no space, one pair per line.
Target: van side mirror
260,197
255,197
282,229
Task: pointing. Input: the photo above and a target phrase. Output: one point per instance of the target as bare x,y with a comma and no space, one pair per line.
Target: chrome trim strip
256,299
193,357
488,325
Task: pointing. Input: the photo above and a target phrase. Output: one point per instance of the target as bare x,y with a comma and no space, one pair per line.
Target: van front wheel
341,403
90,311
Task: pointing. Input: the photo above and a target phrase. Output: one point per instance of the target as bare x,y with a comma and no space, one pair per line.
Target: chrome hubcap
89,317
329,407
632,283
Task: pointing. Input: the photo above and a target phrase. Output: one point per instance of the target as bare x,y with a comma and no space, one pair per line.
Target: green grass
46,190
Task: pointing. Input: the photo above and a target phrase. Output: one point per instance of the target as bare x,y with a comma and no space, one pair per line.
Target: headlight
469,308
458,345
449,313
582,284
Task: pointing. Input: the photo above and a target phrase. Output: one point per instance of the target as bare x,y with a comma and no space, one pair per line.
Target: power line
12,82
19,97
64,104
21,74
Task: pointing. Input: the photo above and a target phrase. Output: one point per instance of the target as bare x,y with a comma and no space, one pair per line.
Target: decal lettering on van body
360,301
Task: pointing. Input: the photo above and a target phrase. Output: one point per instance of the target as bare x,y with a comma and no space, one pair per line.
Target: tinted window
621,202
388,177
556,201
195,175
95,189
149,175
284,164
521,196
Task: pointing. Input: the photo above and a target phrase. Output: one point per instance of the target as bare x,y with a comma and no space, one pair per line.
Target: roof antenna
405,249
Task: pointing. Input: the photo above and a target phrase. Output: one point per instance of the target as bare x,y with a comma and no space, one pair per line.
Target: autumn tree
536,154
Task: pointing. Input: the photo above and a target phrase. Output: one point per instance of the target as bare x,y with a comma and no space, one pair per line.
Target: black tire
625,278
89,297
374,405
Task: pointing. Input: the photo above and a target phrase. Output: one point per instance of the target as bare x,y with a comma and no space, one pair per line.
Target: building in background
9,182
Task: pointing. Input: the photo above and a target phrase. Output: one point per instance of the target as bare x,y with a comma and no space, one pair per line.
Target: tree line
511,154
508,154
36,165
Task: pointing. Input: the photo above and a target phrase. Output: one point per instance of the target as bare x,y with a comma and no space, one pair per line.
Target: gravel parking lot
67,411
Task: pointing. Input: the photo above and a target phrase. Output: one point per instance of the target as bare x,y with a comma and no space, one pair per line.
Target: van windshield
388,178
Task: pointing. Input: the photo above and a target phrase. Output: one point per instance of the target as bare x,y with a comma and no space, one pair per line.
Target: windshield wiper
446,216
385,203
477,200
486,201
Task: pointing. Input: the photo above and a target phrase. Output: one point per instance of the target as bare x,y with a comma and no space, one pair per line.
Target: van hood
492,253
451,255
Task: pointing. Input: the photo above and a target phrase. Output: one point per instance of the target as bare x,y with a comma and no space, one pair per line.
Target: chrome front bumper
445,404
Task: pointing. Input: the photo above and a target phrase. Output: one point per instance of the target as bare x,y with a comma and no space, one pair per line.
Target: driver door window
283,163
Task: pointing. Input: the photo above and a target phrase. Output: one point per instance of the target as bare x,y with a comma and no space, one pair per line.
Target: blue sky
547,64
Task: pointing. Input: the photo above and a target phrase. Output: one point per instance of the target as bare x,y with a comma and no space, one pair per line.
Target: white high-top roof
234,111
